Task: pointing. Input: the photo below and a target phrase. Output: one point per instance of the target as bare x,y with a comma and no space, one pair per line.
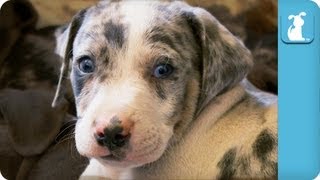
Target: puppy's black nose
112,137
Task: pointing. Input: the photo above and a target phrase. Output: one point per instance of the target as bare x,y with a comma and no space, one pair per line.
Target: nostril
100,134
100,138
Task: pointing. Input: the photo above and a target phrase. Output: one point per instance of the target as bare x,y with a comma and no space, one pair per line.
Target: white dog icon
318,177
295,30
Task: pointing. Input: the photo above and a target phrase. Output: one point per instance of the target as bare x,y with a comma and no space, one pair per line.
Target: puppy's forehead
139,13
120,24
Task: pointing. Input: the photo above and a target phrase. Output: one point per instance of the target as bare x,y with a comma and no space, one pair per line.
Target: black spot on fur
226,164
114,34
263,145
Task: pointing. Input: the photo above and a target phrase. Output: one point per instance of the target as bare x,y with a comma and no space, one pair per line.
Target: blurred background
36,141
60,11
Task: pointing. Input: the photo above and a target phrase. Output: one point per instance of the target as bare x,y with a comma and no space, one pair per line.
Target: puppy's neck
220,105
216,108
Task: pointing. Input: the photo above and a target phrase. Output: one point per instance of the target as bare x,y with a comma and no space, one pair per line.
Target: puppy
161,93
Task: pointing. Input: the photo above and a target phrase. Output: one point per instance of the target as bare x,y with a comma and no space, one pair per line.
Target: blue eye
86,65
163,70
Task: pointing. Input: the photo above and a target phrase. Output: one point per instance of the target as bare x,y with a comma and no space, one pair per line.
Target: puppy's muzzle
113,136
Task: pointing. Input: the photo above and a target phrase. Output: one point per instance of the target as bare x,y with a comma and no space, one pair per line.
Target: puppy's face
137,71
133,68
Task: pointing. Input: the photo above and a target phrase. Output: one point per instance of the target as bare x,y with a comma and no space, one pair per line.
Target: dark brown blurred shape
36,140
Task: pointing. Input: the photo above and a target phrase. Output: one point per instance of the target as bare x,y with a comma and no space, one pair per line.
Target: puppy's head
141,72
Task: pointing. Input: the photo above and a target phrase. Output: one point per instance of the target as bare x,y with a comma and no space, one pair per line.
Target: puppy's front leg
94,171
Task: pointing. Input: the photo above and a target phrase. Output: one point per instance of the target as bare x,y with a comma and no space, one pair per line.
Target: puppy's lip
97,153
111,157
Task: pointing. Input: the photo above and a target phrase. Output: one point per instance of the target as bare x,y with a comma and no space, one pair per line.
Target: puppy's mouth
111,157
114,156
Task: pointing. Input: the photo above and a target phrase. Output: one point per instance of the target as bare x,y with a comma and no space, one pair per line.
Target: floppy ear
225,60
65,38
290,17
32,122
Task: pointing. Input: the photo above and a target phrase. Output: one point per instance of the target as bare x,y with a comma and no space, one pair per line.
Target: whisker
65,129
70,137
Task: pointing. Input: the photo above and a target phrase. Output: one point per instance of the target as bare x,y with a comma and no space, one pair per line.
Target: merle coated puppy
161,93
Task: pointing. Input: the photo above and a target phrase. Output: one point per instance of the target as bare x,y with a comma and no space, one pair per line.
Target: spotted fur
204,120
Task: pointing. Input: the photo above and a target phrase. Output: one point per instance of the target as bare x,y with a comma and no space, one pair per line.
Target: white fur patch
107,102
